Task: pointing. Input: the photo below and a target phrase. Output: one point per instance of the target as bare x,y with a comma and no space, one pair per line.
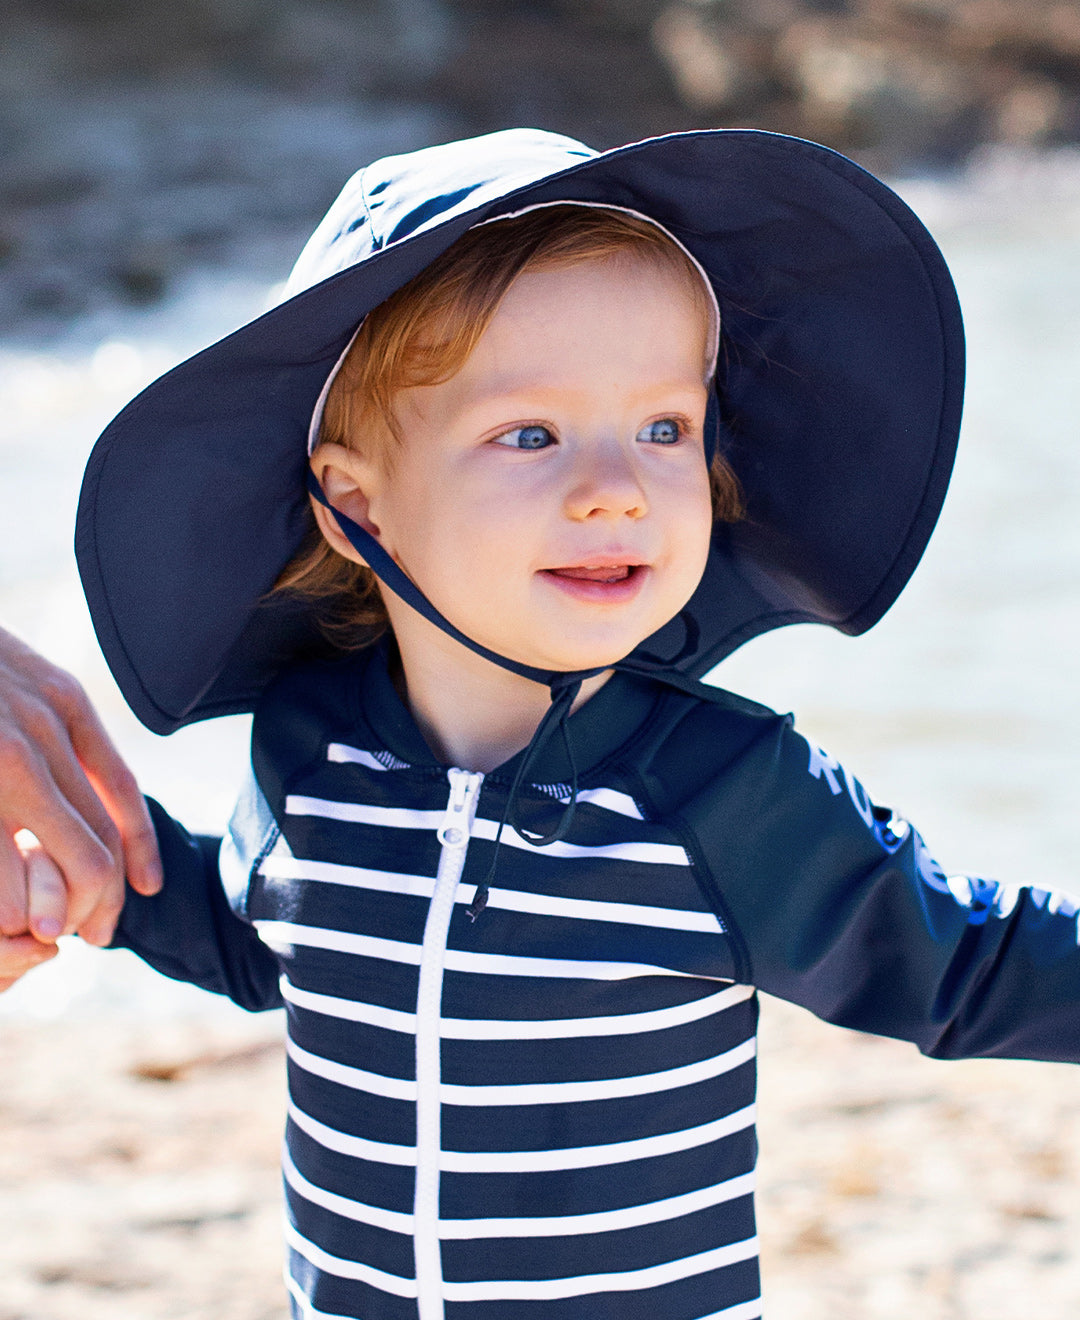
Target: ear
349,481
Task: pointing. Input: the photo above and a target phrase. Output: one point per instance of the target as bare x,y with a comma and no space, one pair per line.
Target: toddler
537,437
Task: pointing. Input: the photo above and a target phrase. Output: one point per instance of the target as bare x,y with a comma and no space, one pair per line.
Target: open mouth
604,573
598,584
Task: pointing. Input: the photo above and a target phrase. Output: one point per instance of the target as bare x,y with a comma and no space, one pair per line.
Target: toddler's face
552,497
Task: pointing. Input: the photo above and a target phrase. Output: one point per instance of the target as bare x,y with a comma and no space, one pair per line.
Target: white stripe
602,1221
349,1010
308,1311
524,1093
587,909
354,877
513,900
358,1147
654,1276
592,1157
497,964
528,1161
348,1269
391,1220
741,1311
393,1088
282,935
611,800
359,813
553,1093
659,1019
466,1230
342,753
661,854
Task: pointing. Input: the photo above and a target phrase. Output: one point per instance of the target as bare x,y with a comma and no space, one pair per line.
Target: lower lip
599,593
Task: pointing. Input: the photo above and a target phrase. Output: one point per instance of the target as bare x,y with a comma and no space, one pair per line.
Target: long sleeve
839,906
189,931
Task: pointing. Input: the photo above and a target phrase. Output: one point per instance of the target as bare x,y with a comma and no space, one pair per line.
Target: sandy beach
139,1179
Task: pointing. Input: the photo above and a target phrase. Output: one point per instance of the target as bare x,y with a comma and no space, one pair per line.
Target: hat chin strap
564,685
391,574
394,576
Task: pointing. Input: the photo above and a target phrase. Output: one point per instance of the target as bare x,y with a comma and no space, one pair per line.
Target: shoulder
698,733
706,751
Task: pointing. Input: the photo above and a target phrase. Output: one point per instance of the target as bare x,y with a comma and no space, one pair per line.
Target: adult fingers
46,893
45,789
117,788
20,953
61,776
13,915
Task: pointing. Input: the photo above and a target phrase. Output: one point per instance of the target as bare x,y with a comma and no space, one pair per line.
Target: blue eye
526,437
666,431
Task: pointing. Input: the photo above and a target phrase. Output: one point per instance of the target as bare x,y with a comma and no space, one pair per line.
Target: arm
62,778
838,906
189,931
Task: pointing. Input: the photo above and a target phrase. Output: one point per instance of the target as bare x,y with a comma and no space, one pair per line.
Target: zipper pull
460,808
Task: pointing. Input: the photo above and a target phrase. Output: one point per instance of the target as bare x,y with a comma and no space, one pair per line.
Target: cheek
692,525
453,526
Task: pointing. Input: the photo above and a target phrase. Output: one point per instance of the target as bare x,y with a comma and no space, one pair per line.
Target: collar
597,729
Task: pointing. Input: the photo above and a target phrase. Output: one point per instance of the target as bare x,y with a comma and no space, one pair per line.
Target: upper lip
605,559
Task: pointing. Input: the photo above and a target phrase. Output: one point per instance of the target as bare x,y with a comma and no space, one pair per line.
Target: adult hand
62,779
46,895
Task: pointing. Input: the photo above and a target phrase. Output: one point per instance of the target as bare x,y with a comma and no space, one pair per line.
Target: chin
590,657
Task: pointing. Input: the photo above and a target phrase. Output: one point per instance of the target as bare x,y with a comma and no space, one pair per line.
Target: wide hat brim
840,384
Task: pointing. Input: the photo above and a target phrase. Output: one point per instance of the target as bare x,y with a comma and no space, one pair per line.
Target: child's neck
472,713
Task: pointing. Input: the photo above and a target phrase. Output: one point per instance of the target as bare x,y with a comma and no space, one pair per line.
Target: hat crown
398,197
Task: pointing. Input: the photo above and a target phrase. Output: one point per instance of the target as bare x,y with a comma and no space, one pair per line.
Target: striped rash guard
546,1113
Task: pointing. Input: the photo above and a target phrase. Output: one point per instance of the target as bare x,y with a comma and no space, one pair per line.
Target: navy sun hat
838,395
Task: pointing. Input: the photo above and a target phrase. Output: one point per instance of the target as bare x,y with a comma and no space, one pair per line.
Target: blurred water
958,709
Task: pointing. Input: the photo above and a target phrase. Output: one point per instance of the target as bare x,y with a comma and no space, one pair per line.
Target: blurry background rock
139,138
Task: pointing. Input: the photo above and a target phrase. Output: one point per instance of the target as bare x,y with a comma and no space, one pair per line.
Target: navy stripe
335,1296
688,1299
353,1113
352,1240
365,980
388,1186
547,1127
354,1043
630,1249
523,999
553,937
510,1062
607,1187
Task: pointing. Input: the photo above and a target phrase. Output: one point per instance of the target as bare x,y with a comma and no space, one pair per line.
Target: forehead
628,306
670,249
603,334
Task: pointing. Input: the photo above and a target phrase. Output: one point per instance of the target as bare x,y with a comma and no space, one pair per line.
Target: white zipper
453,834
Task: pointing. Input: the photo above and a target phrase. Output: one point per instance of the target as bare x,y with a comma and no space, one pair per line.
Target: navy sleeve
837,905
189,932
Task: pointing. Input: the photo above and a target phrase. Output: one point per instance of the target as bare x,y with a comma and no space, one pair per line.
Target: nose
605,483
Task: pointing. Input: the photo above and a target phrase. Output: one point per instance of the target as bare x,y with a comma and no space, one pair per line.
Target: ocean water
959,709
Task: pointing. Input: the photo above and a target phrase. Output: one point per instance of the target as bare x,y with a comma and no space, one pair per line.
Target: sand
139,1180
